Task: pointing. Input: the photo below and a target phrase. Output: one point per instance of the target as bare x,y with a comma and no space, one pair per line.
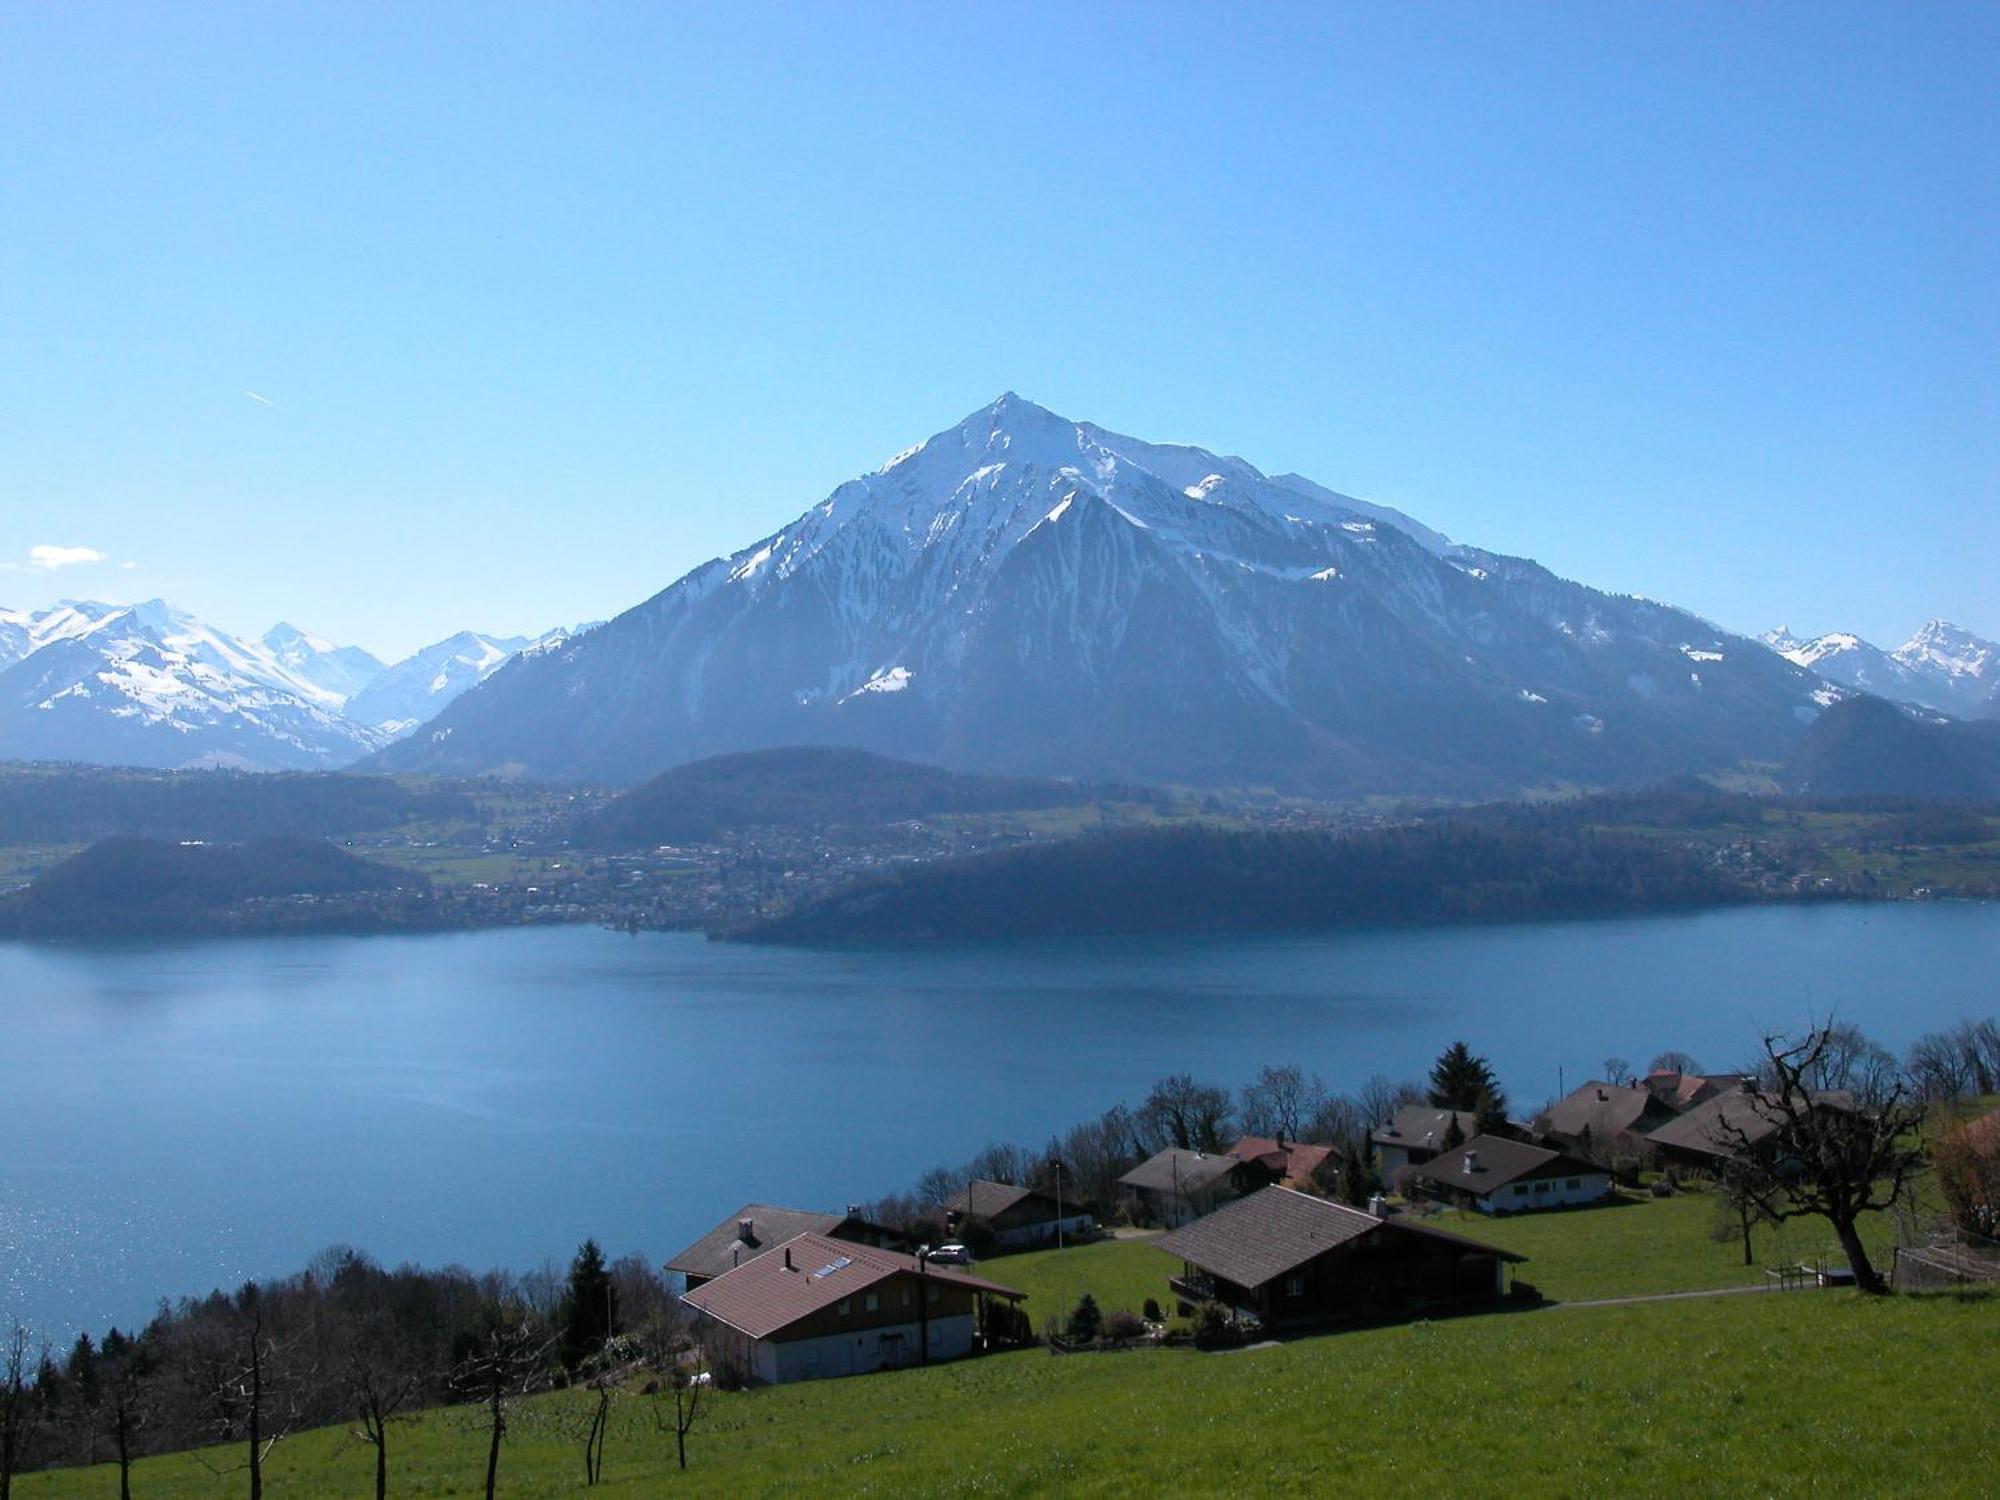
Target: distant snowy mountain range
1940,667
150,685
1025,593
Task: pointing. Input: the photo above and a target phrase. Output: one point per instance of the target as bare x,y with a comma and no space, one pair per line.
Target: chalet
1604,1120
1292,1259
1681,1092
758,1227
1416,1133
1174,1186
1730,1125
1019,1217
816,1306
1297,1163
1497,1176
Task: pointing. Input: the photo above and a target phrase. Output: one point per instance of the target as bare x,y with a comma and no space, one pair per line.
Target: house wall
1043,1232
861,1351
1546,1192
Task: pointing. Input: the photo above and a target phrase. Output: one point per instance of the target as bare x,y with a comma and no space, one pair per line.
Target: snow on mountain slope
1025,593
1941,667
417,688
147,684
341,670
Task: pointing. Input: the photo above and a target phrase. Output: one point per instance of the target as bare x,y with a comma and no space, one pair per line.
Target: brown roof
723,1248
763,1296
1259,1238
1727,1123
989,1200
1495,1162
1295,1161
1175,1170
1984,1132
1424,1128
1603,1109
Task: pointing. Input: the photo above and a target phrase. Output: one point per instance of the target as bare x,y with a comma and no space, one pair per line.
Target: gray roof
1603,1109
1729,1122
1277,1229
989,1200
723,1248
1496,1162
1420,1127
1175,1170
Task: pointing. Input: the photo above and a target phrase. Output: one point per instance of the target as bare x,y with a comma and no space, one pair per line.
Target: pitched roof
1603,1109
1423,1128
1729,1122
1494,1162
723,1248
1685,1090
765,1295
1260,1237
1295,1161
989,1200
1174,1170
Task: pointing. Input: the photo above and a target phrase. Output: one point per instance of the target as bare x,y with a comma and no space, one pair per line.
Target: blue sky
547,304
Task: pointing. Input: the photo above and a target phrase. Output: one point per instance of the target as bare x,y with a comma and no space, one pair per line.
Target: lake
178,1116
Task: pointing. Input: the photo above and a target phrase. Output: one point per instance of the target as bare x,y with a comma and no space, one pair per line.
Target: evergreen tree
1458,1079
1454,1134
1086,1322
1491,1112
589,1307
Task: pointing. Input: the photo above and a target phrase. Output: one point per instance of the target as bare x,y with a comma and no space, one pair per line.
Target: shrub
1124,1325
1152,1309
1085,1321
1212,1327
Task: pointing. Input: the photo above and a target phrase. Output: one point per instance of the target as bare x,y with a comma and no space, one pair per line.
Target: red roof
1296,1161
810,1272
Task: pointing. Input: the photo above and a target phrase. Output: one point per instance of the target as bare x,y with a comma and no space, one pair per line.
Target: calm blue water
178,1116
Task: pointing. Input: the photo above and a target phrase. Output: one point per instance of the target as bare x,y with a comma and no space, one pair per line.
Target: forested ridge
1200,878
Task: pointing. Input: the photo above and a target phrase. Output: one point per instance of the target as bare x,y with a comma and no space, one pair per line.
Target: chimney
1378,1206
746,1231
854,1210
1602,1097
1471,1163
788,1258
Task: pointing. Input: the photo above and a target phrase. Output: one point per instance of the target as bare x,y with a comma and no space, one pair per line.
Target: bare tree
1824,1158
382,1383
1674,1061
1380,1097
1192,1116
127,1406
1737,1210
676,1360
506,1364
241,1377
1281,1102
20,1407
1617,1070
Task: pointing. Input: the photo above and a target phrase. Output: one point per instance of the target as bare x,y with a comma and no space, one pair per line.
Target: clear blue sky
550,303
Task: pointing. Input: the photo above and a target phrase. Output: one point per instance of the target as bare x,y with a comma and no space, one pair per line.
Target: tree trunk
382,1466
1744,1212
124,1459
1865,1276
493,1449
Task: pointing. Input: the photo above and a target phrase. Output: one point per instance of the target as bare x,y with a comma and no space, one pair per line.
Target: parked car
951,1255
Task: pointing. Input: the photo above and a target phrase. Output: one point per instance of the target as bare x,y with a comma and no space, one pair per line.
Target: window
1574,1183
873,1302
1520,1190
906,1296
1295,1286
1543,1187
846,1306
930,1294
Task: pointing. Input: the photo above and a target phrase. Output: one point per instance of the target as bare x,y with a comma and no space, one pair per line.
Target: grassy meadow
1778,1394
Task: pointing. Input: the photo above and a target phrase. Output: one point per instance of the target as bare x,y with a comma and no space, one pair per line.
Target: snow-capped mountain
417,688
1026,593
150,685
1940,667
342,670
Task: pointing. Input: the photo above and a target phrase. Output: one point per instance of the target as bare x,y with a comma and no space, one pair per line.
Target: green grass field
1777,1394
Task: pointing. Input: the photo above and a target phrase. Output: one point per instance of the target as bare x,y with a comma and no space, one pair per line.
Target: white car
951,1255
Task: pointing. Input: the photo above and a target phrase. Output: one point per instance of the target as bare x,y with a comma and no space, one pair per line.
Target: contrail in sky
265,399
